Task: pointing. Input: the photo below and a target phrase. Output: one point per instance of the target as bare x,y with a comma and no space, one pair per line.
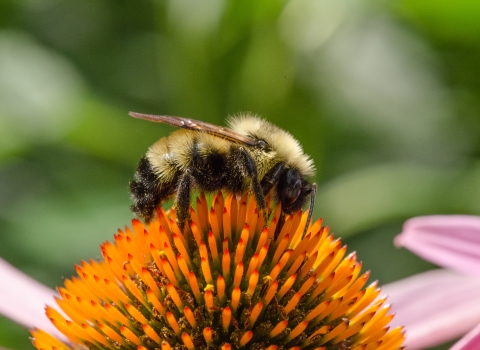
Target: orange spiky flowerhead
225,283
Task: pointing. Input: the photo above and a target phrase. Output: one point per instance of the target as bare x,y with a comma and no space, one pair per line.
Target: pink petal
435,306
469,342
23,299
447,240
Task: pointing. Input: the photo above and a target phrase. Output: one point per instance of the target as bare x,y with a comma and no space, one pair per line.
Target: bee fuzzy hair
286,146
173,153
162,160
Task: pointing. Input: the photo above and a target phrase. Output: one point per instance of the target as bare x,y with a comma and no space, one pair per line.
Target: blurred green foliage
385,96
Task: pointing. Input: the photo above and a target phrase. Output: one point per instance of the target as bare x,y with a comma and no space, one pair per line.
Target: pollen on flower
227,282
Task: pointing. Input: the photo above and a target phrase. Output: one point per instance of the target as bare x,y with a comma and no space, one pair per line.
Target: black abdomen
147,192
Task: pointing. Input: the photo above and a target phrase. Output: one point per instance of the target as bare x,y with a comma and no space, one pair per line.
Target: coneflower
227,282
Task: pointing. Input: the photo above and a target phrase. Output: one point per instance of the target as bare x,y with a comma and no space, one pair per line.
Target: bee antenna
313,192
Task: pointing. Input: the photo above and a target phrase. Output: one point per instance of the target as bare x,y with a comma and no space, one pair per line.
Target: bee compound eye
262,144
292,191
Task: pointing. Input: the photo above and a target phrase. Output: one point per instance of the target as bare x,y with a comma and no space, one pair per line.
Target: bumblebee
251,155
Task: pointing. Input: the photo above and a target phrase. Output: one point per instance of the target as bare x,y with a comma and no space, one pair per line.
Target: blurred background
384,95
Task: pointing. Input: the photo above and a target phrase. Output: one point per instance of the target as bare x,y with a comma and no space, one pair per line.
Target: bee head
293,190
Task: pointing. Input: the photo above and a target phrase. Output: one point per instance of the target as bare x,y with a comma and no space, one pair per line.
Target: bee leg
182,200
271,178
268,182
251,170
280,223
310,210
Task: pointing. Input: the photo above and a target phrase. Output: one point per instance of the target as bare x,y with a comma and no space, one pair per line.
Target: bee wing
197,125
